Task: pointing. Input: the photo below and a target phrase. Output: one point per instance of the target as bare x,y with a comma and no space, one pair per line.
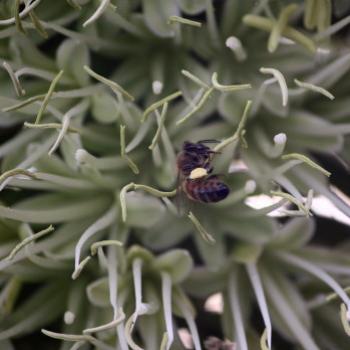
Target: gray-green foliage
102,95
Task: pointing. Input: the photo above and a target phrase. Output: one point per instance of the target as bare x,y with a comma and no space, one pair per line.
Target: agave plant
97,98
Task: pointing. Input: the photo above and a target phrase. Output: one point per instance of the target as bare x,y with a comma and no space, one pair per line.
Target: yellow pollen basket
198,173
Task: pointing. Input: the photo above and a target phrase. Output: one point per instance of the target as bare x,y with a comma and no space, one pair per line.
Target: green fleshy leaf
294,234
214,255
246,253
157,13
288,298
178,263
71,57
192,7
143,210
98,292
255,230
103,108
137,252
180,297
168,232
204,282
34,313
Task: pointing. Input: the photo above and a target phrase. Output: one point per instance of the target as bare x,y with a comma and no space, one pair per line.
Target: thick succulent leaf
103,108
52,208
327,330
214,255
169,231
192,7
71,57
177,262
98,292
144,211
34,313
204,282
289,312
255,230
157,13
180,298
246,253
326,257
294,234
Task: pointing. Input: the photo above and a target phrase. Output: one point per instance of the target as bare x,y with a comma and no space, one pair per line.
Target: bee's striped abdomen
208,190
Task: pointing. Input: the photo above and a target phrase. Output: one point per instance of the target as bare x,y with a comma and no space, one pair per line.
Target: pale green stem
181,20
98,13
16,84
111,325
288,314
123,154
111,84
158,104
133,187
78,344
9,294
260,94
25,12
28,240
76,110
195,79
56,126
239,132
137,278
191,324
211,23
280,25
37,24
268,24
227,88
236,311
79,268
164,342
254,277
281,81
129,326
333,29
102,223
197,107
24,103
264,341
292,199
142,132
308,161
166,298
15,172
74,4
160,126
201,230
47,97
78,337
18,21
309,14
315,88
33,157
105,243
344,316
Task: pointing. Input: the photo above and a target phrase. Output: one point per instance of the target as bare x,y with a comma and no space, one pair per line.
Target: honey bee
195,173
195,155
